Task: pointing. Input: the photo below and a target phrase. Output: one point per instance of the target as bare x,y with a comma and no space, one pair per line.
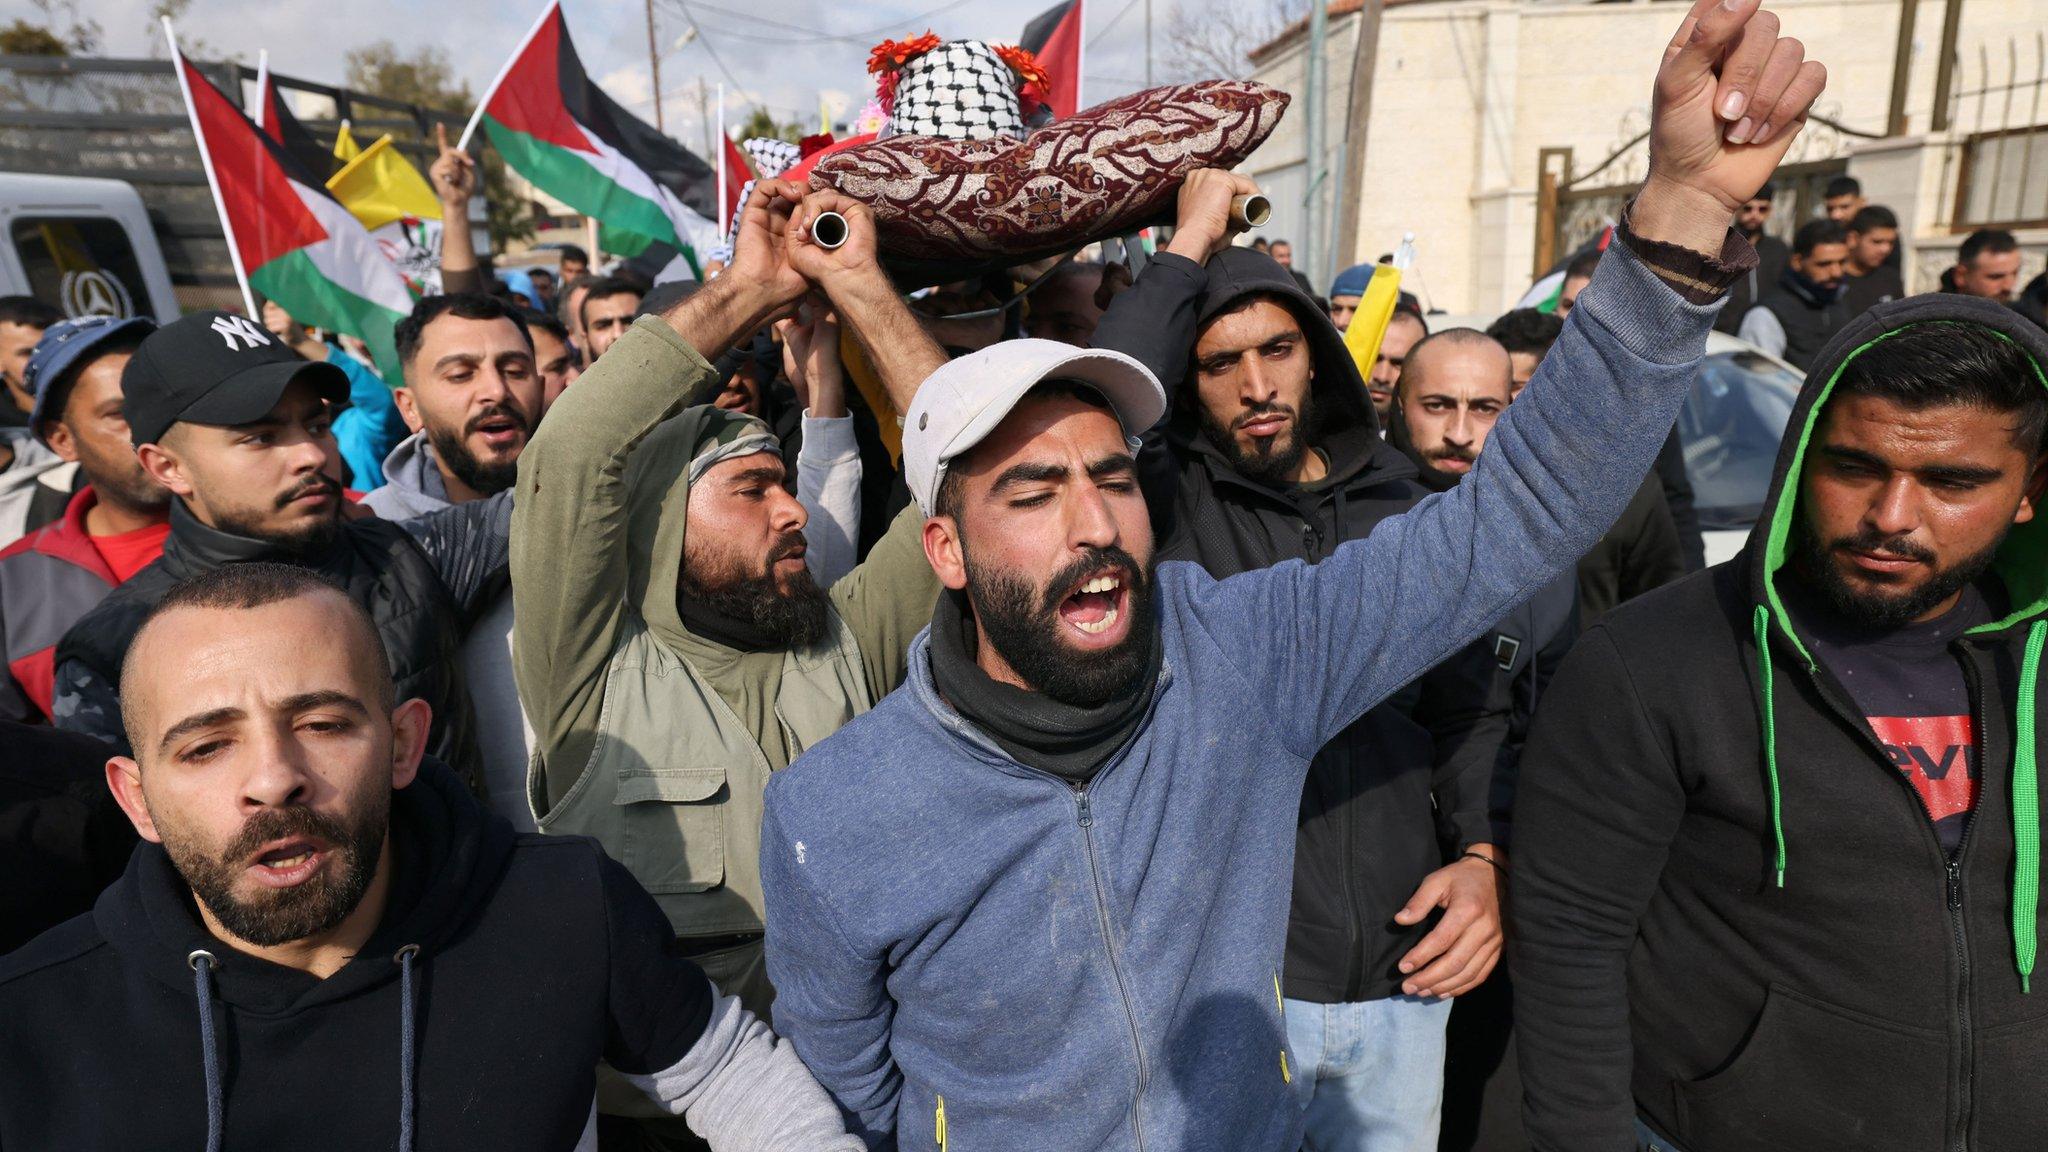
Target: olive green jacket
656,741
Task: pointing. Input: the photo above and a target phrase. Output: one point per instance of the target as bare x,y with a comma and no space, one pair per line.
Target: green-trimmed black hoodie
1731,914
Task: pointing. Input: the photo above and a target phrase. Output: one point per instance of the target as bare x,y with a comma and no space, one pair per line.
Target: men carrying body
326,942
672,650
1799,314
1873,277
1037,899
236,426
1754,883
112,529
1270,454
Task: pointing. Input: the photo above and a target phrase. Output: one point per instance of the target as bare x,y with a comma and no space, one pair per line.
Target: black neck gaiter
1070,741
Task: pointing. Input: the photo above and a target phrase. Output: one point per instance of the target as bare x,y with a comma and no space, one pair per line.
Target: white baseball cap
961,403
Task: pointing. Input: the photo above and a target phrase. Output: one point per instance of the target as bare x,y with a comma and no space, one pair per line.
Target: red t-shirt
127,553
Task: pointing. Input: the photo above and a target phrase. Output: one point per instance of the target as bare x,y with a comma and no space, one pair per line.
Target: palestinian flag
1054,37
285,129
560,131
1548,289
290,240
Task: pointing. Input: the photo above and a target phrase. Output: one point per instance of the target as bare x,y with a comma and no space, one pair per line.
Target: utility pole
1902,69
1148,43
654,66
1945,68
704,116
1351,173
1305,245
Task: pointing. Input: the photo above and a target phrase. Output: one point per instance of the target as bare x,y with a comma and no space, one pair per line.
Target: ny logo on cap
233,328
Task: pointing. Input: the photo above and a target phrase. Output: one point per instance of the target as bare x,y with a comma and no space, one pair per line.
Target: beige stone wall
1467,92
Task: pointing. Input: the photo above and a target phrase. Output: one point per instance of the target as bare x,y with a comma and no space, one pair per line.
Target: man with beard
1039,897
353,943
1756,881
1987,265
471,398
238,428
112,529
1798,315
1272,453
671,647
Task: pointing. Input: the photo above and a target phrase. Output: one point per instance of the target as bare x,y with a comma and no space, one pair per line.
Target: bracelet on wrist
1471,855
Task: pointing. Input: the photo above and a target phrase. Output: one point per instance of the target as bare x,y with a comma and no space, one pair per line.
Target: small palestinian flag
1548,289
560,131
291,240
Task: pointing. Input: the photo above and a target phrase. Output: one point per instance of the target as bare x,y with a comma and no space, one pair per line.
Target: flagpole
724,224
468,130
1080,53
212,182
262,86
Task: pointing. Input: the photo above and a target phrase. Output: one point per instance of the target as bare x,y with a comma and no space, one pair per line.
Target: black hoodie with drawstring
1408,786
505,968
1732,915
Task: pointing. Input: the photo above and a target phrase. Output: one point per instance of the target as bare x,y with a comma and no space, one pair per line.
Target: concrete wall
1467,91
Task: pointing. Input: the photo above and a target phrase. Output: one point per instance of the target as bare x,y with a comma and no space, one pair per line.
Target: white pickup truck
83,245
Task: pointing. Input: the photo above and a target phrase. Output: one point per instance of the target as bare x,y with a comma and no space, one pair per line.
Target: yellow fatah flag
345,146
380,186
1376,310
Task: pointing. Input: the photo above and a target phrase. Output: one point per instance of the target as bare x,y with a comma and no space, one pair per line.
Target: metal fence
2001,160
1573,206
125,120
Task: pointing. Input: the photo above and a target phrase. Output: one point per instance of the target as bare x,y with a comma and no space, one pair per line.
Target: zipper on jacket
1960,1067
1116,972
1960,1070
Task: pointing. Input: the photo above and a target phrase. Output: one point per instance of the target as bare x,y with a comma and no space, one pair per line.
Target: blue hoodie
971,953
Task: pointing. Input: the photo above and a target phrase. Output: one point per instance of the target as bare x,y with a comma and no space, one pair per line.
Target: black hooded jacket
1405,788
518,947
421,580
1732,914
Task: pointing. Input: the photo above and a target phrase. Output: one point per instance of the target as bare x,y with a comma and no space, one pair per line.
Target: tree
426,77
761,122
1214,41
61,32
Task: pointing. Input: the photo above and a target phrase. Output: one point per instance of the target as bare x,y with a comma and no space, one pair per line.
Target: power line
1104,30
815,37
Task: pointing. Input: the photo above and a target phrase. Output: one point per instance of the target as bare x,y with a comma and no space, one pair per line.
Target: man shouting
1038,898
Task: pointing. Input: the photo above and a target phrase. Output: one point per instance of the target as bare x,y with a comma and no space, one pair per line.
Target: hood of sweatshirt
657,504
412,482
2022,563
1343,425
448,853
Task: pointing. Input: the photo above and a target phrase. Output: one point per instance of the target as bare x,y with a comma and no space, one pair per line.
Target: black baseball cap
215,368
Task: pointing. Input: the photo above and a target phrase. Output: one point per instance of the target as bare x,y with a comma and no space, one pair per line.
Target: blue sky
784,55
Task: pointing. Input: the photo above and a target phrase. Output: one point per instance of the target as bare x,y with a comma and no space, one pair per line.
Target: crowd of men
780,713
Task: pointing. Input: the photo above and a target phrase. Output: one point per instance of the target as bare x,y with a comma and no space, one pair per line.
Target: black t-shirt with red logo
1911,689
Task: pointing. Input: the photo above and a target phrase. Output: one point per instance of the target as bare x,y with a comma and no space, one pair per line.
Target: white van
83,245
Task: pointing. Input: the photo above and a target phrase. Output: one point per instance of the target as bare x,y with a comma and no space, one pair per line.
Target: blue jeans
1648,1139
1369,1077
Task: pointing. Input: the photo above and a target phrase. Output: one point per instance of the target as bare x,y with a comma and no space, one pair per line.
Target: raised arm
828,467
889,598
454,176
1564,461
569,522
